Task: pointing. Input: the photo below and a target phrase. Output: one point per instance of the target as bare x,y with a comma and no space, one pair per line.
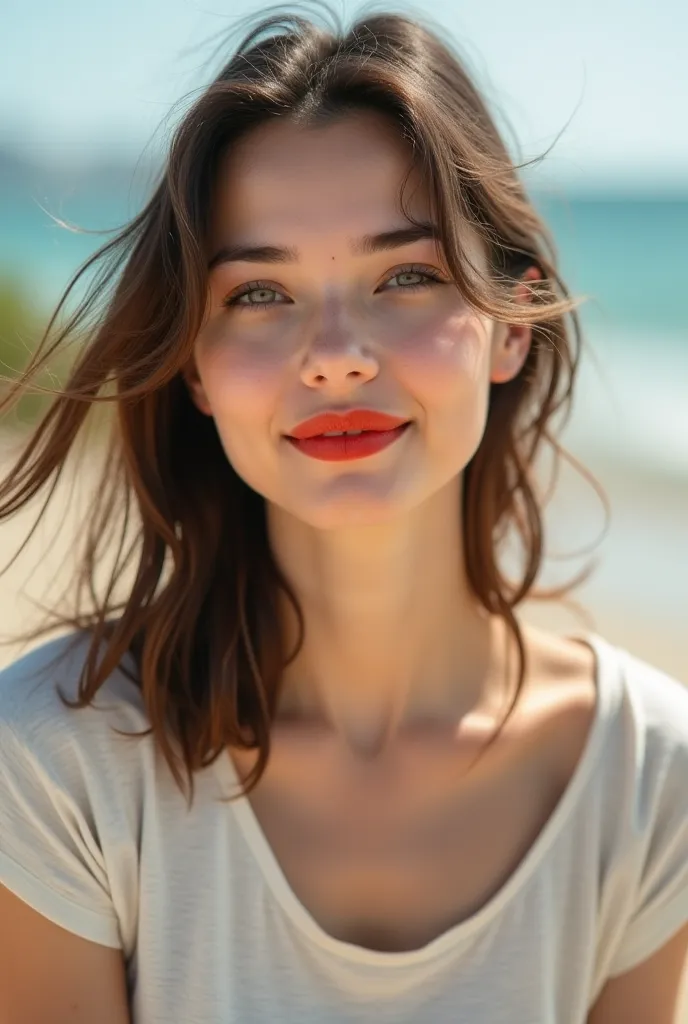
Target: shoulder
659,701
73,786
645,715
643,799
33,677
653,719
595,695
599,678
647,712
31,707
641,765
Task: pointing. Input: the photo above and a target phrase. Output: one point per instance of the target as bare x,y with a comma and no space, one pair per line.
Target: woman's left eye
431,277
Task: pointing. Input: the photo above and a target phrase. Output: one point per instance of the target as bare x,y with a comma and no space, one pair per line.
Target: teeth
340,433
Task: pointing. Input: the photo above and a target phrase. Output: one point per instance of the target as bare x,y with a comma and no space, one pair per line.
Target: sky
81,80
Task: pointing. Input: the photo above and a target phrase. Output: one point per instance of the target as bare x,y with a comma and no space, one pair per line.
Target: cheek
446,364
242,383
243,388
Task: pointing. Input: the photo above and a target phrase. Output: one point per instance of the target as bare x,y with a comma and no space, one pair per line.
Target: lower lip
344,449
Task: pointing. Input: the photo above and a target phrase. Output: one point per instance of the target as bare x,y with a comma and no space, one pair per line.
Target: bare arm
649,993
51,976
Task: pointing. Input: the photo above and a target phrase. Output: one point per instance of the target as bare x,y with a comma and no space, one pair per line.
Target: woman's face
331,327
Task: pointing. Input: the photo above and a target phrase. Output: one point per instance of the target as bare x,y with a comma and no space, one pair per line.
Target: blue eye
431,277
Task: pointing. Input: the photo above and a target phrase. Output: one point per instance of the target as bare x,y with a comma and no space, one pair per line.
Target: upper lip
352,419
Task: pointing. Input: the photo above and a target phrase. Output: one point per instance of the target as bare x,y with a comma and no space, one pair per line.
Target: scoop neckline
448,940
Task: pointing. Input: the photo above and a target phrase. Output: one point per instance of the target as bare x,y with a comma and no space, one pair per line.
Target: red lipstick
357,434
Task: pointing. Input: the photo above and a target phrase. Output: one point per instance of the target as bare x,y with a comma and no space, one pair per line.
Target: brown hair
200,615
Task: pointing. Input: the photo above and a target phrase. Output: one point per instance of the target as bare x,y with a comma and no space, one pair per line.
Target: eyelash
432,275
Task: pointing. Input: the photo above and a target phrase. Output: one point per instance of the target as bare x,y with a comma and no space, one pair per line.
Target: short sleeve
660,907
49,851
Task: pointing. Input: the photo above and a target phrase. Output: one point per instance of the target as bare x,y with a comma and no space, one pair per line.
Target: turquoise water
630,255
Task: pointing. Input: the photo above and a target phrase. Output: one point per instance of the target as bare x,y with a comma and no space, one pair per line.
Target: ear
196,389
511,342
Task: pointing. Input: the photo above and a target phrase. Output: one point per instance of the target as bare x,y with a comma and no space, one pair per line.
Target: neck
393,638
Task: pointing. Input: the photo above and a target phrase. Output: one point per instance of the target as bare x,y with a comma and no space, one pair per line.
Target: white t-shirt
95,835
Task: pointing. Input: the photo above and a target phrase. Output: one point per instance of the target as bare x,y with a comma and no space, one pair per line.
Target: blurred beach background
80,137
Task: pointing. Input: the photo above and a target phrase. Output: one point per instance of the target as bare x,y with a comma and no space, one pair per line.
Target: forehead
281,178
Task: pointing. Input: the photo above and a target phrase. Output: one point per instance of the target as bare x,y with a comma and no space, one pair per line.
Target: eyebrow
365,246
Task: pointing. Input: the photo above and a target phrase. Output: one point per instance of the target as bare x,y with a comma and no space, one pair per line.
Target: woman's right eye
250,289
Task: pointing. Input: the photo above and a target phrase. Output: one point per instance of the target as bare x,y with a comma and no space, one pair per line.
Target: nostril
321,378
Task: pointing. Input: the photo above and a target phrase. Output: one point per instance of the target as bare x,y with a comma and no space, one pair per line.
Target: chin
359,507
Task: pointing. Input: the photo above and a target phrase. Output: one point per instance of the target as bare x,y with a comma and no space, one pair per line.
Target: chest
391,857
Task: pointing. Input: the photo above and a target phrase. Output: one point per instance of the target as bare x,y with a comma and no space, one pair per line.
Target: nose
337,360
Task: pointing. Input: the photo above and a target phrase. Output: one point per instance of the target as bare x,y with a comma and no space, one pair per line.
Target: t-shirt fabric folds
96,836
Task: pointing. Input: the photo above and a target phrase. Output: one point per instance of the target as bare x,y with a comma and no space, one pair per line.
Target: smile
346,445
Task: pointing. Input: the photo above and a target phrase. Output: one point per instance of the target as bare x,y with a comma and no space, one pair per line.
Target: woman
336,342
